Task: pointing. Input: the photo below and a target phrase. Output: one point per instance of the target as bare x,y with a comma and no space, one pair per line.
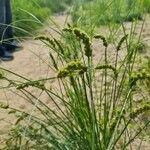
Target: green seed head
63,73
142,109
74,67
139,76
107,66
47,39
31,83
67,30
105,43
121,42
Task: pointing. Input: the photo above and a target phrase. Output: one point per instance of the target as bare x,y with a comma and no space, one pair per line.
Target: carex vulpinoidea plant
93,99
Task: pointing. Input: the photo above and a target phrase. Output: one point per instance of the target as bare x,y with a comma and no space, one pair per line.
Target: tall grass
102,12
93,99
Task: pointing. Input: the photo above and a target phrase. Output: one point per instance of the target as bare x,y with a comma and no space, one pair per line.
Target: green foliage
27,16
30,15
102,12
147,5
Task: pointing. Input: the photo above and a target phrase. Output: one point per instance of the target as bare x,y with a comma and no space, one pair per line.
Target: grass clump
103,12
94,99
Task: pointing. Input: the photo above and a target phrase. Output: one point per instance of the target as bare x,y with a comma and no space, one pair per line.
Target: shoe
13,46
5,55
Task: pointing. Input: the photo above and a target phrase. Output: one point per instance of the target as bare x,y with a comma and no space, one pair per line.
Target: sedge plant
91,99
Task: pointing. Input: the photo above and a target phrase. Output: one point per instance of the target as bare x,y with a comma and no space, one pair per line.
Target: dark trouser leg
2,20
9,30
6,31
2,24
1,50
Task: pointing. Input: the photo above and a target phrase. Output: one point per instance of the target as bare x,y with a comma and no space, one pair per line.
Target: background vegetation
108,14
30,15
103,12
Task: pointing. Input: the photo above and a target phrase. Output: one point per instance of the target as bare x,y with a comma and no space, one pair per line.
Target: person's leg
4,54
2,20
10,43
9,30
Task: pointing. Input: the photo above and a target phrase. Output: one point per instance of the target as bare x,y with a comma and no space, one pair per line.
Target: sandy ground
32,62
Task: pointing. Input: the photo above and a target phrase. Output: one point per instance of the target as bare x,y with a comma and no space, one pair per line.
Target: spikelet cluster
139,76
47,39
31,83
105,43
107,66
142,109
53,42
81,35
85,39
121,42
67,30
74,67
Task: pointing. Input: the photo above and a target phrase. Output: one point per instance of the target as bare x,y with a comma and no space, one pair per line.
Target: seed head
103,39
142,109
107,66
47,39
121,42
74,67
